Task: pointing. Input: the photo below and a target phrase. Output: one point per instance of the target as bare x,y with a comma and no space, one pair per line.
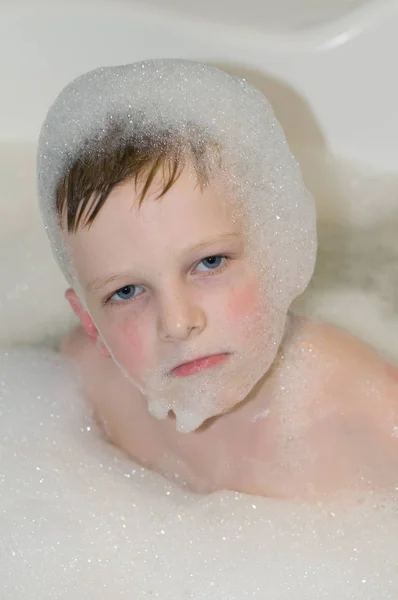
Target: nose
180,317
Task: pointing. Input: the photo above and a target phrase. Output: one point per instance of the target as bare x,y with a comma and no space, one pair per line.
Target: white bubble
195,101
106,527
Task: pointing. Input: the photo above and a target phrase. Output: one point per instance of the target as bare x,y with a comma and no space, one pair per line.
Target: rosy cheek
128,343
243,301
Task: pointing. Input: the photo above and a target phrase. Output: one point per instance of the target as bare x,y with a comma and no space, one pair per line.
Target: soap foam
186,101
78,520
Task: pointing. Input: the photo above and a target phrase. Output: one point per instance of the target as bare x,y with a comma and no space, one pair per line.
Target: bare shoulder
103,384
348,365
339,346
96,371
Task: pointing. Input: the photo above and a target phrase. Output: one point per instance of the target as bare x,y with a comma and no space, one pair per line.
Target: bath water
78,520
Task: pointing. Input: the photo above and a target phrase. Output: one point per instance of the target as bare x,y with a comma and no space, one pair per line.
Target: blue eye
127,292
210,263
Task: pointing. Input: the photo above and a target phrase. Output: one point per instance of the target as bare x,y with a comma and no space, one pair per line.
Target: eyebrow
98,283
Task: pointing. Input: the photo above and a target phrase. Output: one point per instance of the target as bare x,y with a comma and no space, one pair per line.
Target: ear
85,320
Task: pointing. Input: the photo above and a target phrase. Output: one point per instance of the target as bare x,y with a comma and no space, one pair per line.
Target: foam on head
196,103
170,95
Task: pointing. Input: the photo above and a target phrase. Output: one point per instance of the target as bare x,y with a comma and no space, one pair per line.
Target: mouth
199,364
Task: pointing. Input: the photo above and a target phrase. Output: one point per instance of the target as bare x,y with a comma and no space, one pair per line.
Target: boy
181,221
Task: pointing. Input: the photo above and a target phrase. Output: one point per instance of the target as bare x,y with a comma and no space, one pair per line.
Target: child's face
171,281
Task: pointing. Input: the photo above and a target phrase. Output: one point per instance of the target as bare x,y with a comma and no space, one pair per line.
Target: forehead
186,215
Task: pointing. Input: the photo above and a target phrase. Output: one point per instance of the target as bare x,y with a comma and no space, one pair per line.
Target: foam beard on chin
208,393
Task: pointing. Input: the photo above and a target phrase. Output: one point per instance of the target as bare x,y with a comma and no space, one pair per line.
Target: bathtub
77,519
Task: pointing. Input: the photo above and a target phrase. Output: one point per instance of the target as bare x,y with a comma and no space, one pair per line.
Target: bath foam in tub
79,521
231,127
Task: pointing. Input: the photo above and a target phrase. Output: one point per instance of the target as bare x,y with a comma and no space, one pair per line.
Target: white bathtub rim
323,37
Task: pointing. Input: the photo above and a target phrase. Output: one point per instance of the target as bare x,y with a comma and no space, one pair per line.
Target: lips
199,364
